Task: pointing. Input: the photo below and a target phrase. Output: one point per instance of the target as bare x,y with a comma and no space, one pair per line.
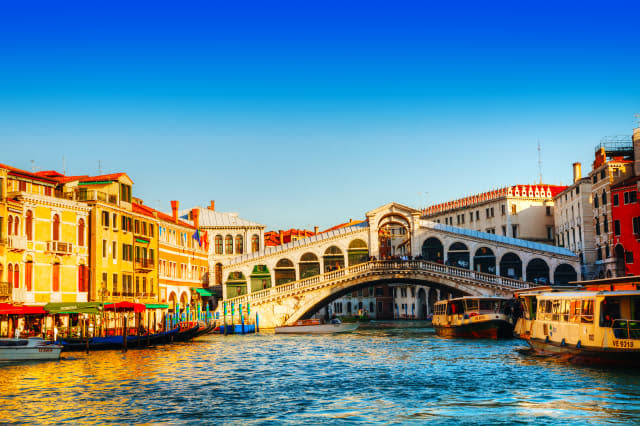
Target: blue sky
296,114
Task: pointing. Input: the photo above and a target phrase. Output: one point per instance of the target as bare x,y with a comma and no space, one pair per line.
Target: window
255,243
595,202
22,186
56,227
597,226
114,221
595,178
477,214
28,274
105,218
605,222
81,232
616,227
239,244
514,209
28,225
504,230
514,231
55,284
114,250
114,280
548,210
471,217
127,252
602,174
228,244
151,230
549,232
604,198
599,253
616,200
136,226
636,225
10,225
504,209
104,248
607,253
83,277
218,244
125,193
16,276
492,213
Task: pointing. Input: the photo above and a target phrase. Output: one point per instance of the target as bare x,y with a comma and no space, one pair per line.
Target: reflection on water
386,376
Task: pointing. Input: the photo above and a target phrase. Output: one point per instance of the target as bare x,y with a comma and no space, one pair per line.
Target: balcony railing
59,247
95,195
17,242
144,263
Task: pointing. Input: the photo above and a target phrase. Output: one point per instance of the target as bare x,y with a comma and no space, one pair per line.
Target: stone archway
538,271
433,250
564,274
458,255
511,266
484,261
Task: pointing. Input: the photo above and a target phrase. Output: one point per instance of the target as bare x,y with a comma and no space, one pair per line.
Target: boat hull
35,349
587,355
493,329
317,329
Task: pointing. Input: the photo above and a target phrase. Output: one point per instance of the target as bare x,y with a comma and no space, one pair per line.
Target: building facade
613,164
44,250
574,221
183,261
520,211
229,236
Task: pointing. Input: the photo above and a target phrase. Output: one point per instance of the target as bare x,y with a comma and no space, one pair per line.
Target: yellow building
124,244
44,253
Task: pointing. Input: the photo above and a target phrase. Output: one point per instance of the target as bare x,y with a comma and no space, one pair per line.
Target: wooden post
124,334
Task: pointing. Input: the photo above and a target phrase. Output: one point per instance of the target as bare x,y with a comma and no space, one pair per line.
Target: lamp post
103,293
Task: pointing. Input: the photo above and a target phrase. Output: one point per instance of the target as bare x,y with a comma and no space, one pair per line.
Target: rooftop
218,219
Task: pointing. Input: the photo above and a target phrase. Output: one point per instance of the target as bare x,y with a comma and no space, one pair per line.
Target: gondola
116,342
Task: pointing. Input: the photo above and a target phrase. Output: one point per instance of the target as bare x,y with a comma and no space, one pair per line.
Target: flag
196,236
205,241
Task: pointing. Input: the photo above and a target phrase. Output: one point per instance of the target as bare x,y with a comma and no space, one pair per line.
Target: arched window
218,245
28,275
28,224
333,259
81,232
218,269
284,272
16,276
239,244
228,244
16,226
55,277
10,225
56,227
255,243
309,265
10,274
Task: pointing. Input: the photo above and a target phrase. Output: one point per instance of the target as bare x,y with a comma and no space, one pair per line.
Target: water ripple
386,376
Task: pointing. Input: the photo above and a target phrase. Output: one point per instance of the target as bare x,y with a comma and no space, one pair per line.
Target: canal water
391,376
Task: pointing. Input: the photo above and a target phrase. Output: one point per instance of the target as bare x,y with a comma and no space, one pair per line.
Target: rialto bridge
292,281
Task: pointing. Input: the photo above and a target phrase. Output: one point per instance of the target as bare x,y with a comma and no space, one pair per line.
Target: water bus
592,324
473,317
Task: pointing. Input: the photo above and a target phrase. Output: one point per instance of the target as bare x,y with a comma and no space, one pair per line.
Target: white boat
314,327
28,349
473,317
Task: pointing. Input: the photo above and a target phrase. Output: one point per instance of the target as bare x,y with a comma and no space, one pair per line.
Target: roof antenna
99,167
540,161
33,166
64,166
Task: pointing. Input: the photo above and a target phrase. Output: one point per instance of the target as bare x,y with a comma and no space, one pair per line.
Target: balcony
143,264
94,195
19,295
59,247
5,291
17,242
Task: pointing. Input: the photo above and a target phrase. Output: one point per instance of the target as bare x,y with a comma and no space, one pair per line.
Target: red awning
125,306
9,309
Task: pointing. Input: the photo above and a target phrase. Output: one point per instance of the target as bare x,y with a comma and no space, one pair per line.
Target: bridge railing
382,265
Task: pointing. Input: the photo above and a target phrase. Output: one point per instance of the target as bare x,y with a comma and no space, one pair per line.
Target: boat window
574,312
609,311
472,305
565,310
555,310
587,311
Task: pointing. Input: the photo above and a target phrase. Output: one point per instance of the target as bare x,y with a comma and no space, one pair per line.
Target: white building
520,211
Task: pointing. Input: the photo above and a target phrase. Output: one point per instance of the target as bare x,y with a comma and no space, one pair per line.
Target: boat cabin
470,306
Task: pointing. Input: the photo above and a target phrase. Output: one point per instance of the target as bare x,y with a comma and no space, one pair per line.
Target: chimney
315,229
212,205
577,172
636,151
174,209
195,213
281,232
